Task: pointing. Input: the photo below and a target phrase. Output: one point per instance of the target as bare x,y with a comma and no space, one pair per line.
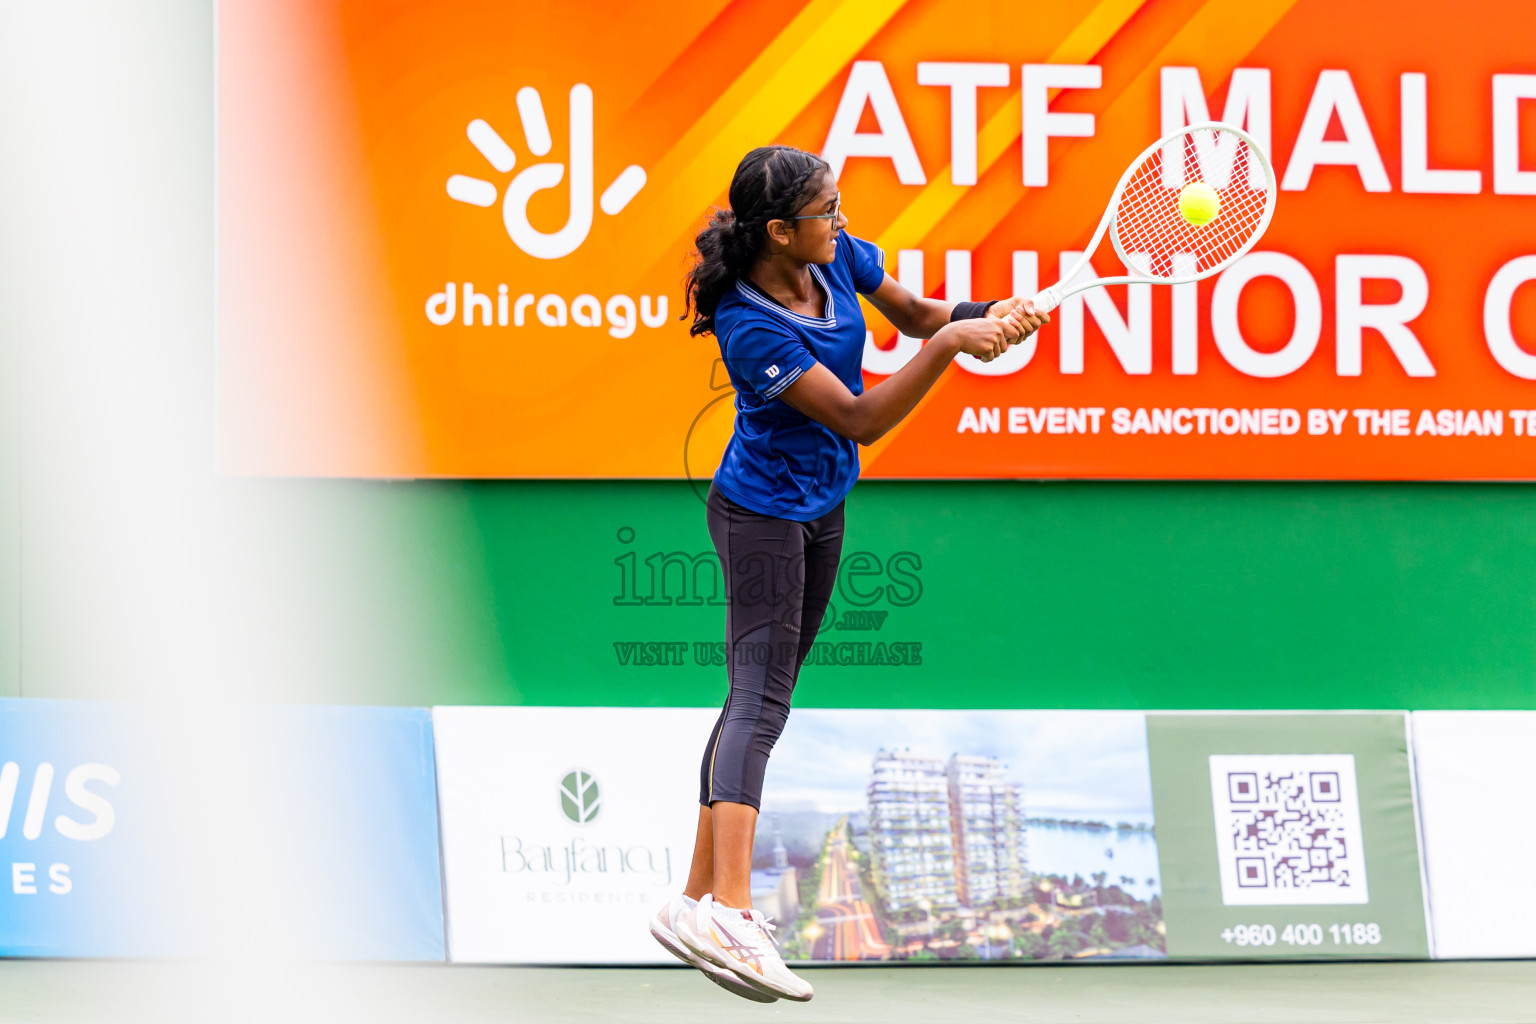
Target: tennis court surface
56,992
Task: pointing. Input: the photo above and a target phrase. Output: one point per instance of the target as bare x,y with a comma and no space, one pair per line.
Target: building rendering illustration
944,834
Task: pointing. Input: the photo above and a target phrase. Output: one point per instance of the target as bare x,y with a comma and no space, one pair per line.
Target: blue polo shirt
780,462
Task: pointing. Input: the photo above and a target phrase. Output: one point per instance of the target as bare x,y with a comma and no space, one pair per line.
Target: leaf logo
579,798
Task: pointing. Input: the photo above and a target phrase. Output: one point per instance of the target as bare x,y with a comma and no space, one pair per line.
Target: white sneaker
740,942
664,930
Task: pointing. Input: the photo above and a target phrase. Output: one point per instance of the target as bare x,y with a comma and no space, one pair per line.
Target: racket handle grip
1047,300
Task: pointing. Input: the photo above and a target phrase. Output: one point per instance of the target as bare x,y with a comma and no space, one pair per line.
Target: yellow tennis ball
1199,203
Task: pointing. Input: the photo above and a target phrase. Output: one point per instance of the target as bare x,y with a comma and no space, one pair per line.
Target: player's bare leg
728,830
735,826
701,873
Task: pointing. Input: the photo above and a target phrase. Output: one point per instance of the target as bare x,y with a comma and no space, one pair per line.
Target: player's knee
771,725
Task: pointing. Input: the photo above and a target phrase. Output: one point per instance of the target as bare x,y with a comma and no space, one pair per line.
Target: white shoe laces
767,927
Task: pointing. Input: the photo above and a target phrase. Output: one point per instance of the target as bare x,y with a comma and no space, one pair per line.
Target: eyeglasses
837,205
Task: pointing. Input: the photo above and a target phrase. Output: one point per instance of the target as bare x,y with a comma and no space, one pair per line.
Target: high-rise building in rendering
987,816
910,833
948,834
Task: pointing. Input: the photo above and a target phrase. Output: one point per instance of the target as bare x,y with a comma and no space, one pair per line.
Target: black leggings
778,579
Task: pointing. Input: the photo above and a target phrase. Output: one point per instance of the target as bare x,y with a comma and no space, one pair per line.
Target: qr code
1288,829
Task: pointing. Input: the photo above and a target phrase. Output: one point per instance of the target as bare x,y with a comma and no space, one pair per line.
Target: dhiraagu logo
579,797
544,245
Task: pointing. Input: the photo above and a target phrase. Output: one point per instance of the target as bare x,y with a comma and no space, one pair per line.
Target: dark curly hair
771,182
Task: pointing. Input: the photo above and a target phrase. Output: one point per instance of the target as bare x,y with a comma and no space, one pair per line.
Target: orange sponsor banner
452,235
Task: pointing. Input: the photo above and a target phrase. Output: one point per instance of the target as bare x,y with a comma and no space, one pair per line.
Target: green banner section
1023,595
1287,835
956,594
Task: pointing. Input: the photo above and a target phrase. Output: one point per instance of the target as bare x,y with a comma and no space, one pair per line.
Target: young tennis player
777,281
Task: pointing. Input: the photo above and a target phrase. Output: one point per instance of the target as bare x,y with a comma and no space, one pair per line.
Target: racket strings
1148,222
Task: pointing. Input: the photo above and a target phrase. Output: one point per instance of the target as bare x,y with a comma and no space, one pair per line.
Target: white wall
127,567
1477,809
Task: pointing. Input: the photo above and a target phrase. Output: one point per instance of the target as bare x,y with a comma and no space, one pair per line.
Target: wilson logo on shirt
772,371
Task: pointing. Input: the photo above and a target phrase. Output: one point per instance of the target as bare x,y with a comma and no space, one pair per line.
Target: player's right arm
920,317
865,418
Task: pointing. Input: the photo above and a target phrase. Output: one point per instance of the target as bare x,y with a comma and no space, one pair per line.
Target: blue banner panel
78,831
354,792
131,830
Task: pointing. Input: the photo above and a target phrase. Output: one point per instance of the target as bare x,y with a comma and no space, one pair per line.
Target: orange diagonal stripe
939,196
763,100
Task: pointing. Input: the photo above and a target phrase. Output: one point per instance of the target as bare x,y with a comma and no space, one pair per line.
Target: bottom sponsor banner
942,835
141,831
349,853
884,835
1477,809
564,828
961,835
83,833
1284,835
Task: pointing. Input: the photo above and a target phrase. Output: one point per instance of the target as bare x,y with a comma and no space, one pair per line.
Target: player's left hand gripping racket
1153,238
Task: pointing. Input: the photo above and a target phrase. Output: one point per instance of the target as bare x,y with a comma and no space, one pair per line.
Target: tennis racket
1152,237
